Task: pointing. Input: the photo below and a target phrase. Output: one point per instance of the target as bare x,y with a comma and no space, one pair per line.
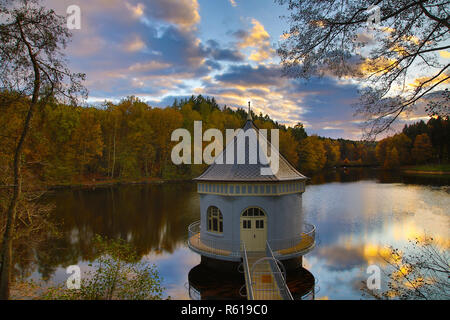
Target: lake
356,212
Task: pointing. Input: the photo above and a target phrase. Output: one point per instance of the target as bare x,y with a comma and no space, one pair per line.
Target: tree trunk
109,154
114,153
6,249
146,167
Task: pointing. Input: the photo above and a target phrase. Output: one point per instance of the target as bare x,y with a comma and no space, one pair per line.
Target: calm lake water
356,212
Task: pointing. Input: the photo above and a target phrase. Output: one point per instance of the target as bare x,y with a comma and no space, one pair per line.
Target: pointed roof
248,172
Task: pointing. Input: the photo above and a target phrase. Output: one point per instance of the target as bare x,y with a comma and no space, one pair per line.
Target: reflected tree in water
423,273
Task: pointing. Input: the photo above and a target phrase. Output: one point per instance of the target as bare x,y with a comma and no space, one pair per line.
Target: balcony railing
290,247
210,247
248,280
282,248
279,276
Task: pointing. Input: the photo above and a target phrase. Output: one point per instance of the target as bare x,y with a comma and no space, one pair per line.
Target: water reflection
357,213
381,176
206,283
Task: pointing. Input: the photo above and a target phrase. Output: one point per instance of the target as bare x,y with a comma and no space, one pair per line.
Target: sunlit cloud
258,39
430,81
183,13
162,49
137,10
444,54
135,45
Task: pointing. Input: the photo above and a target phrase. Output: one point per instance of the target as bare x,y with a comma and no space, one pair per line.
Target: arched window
253,212
215,220
253,218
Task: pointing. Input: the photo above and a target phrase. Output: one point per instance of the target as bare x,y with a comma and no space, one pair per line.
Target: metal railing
280,277
194,294
229,250
248,280
268,281
210,247
310,295
297,245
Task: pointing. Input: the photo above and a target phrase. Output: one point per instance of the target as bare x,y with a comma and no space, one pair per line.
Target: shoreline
434,169
412,171
102,183
111,183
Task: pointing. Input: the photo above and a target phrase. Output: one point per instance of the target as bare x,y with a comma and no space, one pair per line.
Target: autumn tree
392,160
402,145
312,154
86,140
420,272
32,64
422,150
289,147
333,152
333,38
381,150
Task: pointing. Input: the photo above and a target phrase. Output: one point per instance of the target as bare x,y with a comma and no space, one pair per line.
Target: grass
430,168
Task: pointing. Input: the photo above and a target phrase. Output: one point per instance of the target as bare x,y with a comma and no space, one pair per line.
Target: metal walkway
264,279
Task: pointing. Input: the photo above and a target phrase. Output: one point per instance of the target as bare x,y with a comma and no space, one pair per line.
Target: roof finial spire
249,116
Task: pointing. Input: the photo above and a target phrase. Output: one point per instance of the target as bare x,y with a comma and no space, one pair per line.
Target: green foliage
438,130
418,143
299,132
117,274
431,167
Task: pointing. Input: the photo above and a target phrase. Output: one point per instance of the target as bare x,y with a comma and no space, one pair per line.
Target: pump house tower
240,207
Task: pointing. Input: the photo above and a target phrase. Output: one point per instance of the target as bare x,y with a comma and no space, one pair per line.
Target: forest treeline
418,143
132,140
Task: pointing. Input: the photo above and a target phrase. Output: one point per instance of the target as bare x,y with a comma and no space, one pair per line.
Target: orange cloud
375,65
444,54
137,10
135,45
421,81
190,12
259,39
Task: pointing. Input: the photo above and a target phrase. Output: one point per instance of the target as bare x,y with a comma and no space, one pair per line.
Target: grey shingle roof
248,172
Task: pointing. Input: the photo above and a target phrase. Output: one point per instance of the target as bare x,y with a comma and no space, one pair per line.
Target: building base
231,266
220,265
217,279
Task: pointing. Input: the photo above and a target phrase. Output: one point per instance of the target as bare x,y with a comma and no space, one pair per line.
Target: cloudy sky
161,49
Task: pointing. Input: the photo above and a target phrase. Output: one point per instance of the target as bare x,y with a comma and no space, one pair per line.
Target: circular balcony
211,248
298,246
282,248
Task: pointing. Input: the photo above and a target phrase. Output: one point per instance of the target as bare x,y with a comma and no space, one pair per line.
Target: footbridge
265,276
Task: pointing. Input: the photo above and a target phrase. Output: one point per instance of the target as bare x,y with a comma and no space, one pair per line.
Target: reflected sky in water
356,221
357,213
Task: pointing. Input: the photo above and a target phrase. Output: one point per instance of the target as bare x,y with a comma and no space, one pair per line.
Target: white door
254,229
